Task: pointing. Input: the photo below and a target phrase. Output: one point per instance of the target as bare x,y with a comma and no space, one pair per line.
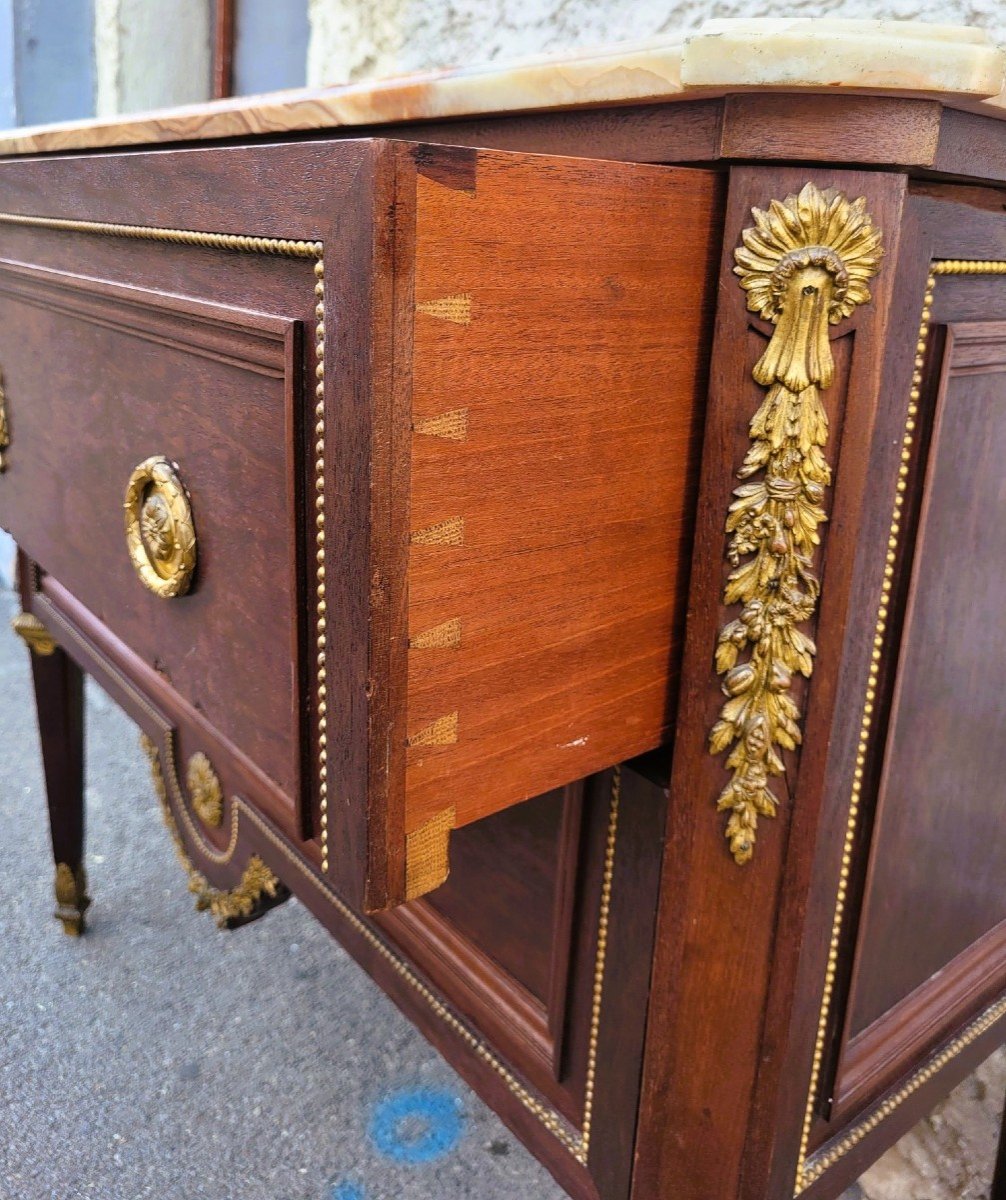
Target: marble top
958,64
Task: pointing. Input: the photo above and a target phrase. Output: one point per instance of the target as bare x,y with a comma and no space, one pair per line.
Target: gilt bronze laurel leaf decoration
804,265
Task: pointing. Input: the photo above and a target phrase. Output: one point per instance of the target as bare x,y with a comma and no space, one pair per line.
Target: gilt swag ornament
804,265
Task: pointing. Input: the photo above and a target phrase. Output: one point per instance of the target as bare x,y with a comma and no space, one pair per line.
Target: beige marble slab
804,52
957,63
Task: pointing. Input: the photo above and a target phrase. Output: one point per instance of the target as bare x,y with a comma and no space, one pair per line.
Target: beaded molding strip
283,248
810,1169
578,1144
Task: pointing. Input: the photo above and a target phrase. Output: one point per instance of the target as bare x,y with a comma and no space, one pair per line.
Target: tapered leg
59,698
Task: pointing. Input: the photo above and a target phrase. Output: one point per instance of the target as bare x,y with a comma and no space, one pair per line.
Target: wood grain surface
561,326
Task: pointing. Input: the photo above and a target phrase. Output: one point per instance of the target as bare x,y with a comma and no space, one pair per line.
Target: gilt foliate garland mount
804,265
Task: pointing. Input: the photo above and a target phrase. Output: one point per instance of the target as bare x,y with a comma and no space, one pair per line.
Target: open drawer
366,464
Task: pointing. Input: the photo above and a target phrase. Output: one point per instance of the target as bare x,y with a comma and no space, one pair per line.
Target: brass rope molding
285,248
810,1169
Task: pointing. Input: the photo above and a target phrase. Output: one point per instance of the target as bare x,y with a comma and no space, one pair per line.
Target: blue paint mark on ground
347,1190
418,1125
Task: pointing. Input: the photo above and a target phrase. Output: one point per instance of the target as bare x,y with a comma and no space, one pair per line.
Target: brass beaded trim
181,799
321,600
286,248
816,1167
600,961
967,266
578,1145
811,1169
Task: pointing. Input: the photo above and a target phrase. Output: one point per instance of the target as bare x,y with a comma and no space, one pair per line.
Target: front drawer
435,415
100,380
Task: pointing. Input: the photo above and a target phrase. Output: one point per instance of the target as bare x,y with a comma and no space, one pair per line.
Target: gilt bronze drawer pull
159,530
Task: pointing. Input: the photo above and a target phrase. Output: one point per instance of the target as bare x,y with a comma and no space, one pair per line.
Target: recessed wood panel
931,944
127,374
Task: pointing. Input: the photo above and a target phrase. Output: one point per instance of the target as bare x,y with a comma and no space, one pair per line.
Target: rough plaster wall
149,55
357,39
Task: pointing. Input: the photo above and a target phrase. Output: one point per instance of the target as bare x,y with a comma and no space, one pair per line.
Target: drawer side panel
562,313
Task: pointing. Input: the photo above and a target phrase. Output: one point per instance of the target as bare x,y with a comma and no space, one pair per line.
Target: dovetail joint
457,309
427,856
441,732
440,637
445,533
452,425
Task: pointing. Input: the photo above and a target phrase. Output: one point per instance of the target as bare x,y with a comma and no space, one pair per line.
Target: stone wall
359,39
146,58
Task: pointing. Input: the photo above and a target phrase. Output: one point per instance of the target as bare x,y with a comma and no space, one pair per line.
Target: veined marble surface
958,64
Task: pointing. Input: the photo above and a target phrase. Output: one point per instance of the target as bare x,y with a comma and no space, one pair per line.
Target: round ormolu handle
160,533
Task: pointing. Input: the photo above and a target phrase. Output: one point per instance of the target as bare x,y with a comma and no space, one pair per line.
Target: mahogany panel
876,129
936,843
942,800
514,914
110,352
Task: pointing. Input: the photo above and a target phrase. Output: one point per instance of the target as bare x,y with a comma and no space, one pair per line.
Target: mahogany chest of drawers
566,550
